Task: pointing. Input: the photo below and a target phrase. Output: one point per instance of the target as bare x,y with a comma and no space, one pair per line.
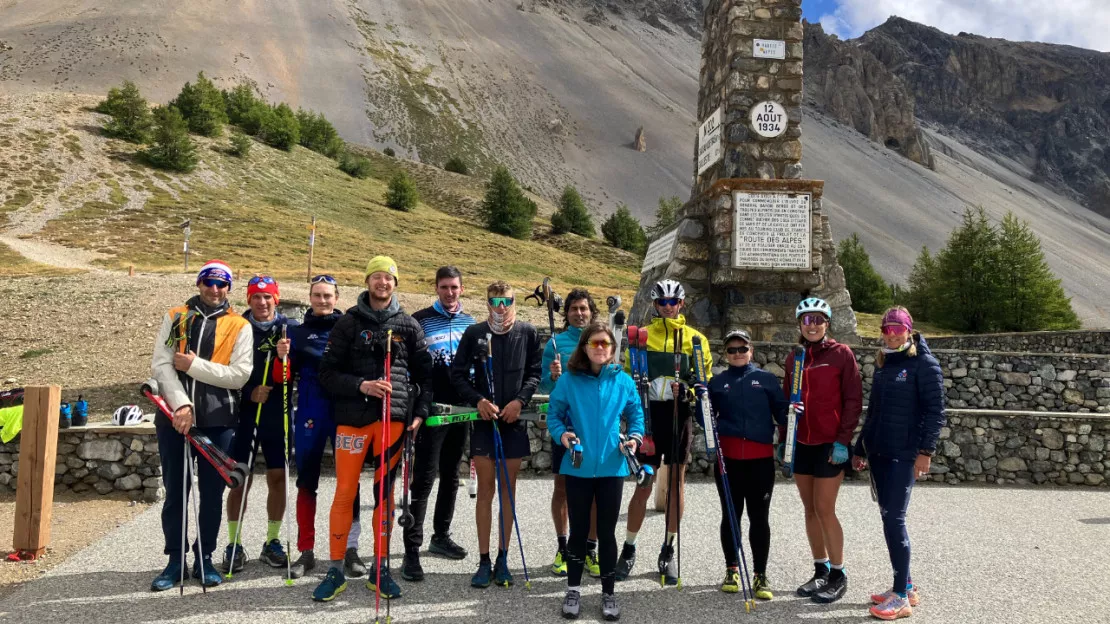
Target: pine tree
623,231
572,215
203,107
506,209
172,148
665,215
280,128
240,101
240,144
318,135
968,293
355,166
131,118
870,293
457,165
1030,296
402,193
921,298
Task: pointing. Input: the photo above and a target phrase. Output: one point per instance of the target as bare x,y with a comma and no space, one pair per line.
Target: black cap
739,334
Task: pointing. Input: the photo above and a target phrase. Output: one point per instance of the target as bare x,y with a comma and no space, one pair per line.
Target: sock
901,594
670,539
353,535
484,558
591,545
630,537
824,562
233,532
562,543
836,571
273,529
577,588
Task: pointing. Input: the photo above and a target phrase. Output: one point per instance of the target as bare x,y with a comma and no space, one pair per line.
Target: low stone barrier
1078,341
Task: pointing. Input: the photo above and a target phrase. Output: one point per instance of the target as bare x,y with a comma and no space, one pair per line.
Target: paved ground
981,555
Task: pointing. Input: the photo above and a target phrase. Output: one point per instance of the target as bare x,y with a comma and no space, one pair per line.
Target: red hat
262,284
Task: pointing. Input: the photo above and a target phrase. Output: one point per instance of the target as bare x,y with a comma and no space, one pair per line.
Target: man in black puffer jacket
352,372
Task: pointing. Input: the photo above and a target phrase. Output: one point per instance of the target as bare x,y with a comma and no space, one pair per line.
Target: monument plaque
769,119
660,251
772,231
709,142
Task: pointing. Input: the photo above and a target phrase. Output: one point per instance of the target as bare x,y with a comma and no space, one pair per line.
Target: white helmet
128,415
813,304
667,289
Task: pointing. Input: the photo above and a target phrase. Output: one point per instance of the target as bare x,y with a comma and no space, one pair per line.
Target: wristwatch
926,453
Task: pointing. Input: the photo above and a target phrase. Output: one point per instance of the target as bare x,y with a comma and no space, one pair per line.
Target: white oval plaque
769,119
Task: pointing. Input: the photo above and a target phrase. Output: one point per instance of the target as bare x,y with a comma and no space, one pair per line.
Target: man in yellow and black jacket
673,439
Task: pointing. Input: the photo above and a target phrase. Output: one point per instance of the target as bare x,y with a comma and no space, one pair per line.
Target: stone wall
1079,341
100,459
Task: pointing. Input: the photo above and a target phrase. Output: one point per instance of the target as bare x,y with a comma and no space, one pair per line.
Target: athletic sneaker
501,575
593,568
559,566
169,577
912,595
332,585
484,576
571,604
240,558
206,572
834,589
304,564
892,608
445,546
273,554
761,588
610,610
352,564
817,583
626,562
410,568
731,584
668,570
389,588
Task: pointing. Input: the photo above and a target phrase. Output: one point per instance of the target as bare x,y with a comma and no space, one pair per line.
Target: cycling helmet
667,289
813,304
128,415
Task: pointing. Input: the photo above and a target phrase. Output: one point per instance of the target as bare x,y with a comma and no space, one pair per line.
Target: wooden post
311,246
38,449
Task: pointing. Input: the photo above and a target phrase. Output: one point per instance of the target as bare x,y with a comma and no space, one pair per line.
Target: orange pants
352,444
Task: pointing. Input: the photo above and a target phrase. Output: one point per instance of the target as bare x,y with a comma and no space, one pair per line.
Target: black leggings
582,493
750,481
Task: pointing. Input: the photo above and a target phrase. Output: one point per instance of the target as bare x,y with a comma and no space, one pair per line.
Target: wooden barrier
38,448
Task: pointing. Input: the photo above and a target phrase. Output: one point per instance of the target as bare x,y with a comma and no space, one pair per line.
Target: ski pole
285,423
676,468
641,350
250,474
383,466
196,516
184,509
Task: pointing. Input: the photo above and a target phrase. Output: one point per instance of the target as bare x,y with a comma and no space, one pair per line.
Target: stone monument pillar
752,241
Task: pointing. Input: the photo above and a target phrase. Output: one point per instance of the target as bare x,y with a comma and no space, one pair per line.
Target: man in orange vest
202,357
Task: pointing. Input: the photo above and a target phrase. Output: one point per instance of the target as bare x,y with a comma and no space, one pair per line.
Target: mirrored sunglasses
814,319
212,282
600,344
264,279
894,329
327,279
495,302
672,301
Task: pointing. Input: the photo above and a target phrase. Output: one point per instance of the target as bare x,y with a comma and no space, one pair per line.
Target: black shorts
814,461
669,450
558,451
514,440
270,439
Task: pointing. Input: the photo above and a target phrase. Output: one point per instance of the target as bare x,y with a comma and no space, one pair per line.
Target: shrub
240,144
402,193
457,165
389,152
354,166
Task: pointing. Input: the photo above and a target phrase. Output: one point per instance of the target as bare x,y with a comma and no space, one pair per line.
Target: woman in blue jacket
587,407
904,418
747,402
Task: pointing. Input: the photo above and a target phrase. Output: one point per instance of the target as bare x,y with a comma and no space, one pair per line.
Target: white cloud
1083,23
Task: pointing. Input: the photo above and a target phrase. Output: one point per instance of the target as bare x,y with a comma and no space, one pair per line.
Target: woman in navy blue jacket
747,402
899,437
587,407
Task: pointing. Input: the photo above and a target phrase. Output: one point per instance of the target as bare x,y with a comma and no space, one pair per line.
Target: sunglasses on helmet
264,279
326,279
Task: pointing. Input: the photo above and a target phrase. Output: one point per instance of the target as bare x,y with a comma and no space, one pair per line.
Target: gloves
799,409
839,453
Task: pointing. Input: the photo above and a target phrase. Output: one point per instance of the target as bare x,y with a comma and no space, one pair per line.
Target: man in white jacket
202,357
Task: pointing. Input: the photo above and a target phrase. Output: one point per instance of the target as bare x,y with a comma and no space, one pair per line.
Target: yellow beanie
384,264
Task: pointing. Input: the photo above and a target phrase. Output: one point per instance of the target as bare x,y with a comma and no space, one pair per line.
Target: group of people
339,364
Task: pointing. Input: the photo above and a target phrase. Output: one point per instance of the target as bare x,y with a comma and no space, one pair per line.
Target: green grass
34,353
868,326
14,265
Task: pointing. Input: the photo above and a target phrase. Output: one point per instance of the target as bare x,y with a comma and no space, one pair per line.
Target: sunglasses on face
600,344
212,282
737,350
327,279
668,302
814,319
889,330
496,302
264,279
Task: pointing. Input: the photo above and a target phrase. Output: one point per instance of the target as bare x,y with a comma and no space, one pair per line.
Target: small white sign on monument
660,251
771,230
709,142
769,49
769,119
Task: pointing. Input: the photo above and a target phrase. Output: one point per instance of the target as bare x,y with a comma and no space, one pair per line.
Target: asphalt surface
980,555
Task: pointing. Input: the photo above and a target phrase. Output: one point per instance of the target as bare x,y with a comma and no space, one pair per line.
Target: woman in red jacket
832,398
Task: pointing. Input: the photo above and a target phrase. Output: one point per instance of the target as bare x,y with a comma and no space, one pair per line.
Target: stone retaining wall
1079,341
100,459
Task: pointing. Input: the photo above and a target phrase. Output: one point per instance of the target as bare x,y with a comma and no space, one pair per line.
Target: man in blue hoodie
580,310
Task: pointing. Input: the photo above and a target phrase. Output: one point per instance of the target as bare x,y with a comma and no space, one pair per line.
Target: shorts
669,450
269,438
813,460
558,451
514,440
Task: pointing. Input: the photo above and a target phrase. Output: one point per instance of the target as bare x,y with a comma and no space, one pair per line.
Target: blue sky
1082,23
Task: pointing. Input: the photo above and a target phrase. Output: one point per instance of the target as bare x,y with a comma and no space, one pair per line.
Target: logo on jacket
309,424
902,376
755,383
367,336
347,442
312,337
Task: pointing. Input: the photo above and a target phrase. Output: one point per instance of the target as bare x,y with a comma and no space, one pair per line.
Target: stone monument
752,241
